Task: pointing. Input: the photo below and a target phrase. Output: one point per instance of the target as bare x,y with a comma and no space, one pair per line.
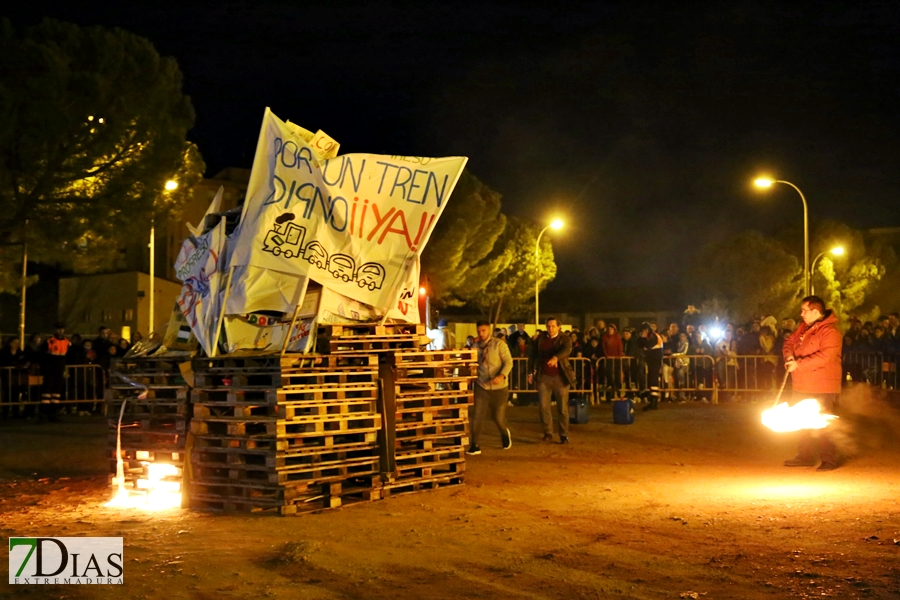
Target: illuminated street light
171,186
556,225
765,183
836,251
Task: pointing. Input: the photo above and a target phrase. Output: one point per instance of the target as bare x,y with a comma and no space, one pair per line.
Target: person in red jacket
812,355
612,350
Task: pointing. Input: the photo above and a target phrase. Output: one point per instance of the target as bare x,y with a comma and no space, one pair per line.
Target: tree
92,125
845,282
458,260
746,275
511,291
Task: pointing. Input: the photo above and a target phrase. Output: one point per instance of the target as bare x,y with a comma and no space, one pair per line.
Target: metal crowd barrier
682,377
518,377
703,376
874,368
21,389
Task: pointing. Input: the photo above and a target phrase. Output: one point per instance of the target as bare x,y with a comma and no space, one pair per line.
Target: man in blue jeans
549,367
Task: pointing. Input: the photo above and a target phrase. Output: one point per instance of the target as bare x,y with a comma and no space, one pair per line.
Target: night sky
640,123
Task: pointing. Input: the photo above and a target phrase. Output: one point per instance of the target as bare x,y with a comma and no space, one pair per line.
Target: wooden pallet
116,393
149,423
309,425
151,380
293,507
413,402
270,361
420,430
404,371
238,380
228,395
320,473
397,488
139,409
345,362
368,344
291,412
321,377
272,443
433,358
446,441
332,330
148,365
265,493
431,414
308,393
281,460
412,458
444,384
447,468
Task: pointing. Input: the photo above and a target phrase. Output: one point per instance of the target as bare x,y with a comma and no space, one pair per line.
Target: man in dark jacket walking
550,369
812,355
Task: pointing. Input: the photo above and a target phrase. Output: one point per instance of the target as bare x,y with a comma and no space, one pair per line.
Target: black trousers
820,439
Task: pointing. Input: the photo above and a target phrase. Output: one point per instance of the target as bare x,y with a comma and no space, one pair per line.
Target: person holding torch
812,355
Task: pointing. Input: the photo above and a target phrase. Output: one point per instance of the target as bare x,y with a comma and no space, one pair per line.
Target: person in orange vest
53,367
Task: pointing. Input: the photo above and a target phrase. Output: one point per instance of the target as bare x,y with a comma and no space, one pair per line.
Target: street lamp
836,251
556,225
766,183
171,186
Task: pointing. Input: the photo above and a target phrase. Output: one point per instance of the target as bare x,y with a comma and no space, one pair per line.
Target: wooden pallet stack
428,395
155,418
354,338
286,434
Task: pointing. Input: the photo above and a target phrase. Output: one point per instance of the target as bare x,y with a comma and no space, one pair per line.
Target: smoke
868,421
284,218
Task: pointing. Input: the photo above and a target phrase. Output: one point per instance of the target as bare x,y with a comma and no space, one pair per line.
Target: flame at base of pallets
156,491
806,414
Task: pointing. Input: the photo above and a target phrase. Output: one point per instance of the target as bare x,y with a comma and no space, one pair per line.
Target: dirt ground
689,502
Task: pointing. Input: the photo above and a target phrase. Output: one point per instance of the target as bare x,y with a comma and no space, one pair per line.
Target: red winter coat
612,345
817,349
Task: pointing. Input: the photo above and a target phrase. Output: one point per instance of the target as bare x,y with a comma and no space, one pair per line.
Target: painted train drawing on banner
288,238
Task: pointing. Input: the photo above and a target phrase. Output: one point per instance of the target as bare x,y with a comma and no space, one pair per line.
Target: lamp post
556,224
765,183
836,251
171,186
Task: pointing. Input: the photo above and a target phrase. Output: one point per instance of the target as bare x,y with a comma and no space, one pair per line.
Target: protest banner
355,223
198,268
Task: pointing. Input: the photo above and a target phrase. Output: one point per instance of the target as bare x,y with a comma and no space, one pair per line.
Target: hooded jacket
817,350
612,343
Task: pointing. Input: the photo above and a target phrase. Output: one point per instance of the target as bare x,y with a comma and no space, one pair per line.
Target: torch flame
806,414
160,490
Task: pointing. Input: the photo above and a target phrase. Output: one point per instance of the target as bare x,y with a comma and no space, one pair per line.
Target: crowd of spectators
39,372
741,355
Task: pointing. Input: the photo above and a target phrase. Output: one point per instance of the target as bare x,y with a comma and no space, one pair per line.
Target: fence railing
702,376
22,389
583,368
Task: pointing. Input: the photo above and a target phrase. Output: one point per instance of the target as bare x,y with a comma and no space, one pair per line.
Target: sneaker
473,450
827,466
563,439
548,437
45,400
799,462
507,440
